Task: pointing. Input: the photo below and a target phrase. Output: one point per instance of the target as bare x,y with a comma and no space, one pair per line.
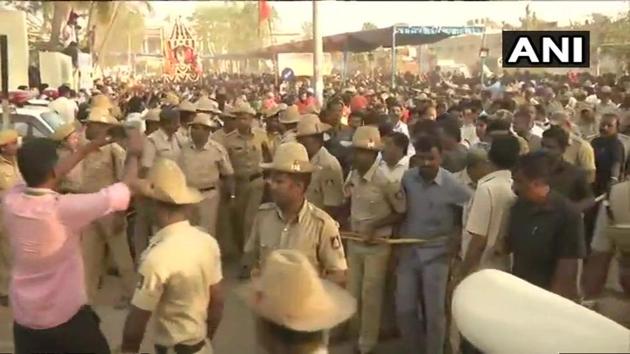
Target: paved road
236,332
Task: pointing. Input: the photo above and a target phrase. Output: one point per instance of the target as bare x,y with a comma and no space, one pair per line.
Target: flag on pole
264,12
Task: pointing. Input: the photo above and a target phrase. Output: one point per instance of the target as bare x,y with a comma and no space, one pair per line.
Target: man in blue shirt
433,197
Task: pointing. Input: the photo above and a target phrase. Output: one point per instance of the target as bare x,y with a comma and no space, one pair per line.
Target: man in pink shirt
47,289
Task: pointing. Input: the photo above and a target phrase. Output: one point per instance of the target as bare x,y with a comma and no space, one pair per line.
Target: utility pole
318,55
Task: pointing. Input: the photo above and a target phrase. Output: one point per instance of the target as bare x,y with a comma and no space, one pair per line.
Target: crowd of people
394,194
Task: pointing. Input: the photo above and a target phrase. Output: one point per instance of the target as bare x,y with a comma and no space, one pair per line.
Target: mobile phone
117,133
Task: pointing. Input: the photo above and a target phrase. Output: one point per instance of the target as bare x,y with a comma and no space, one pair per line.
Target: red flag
264,11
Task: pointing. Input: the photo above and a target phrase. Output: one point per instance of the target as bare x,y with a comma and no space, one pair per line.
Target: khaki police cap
8,136
367,137
290,293
101,101
290,157
310,124
171,99
101,115
63,131
187,106
153,115
167,183
290,116
207,105
243,108
272,111
203,119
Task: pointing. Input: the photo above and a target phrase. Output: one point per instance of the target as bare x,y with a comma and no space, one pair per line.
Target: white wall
13,24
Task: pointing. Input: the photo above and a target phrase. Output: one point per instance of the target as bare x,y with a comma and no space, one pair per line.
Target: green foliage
232,28
368,26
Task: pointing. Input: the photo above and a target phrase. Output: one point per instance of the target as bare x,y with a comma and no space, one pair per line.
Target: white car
34,121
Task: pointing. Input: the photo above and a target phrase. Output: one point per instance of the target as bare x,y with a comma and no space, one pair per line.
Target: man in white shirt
488,214
64,106
394,159
400,126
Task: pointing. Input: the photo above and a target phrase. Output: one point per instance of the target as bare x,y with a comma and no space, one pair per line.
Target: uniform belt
207,189
181,348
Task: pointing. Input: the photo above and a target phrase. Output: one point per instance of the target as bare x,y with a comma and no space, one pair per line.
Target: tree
368,26
232,28
307,30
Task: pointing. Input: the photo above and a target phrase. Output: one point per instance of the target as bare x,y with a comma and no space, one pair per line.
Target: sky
347,16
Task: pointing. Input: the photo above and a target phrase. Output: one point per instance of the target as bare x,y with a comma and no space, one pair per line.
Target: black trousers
81,334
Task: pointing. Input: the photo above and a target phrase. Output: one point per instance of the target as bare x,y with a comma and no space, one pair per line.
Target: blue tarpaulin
365,41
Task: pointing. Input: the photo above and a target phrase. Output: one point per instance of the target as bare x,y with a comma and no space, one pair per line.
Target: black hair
22,87
496,124
400,140
374,118
135,105
504,151
386,127
475,105
426,143
425,126
558,134
289,336
450,127
36,160
534,166
168,114
63,90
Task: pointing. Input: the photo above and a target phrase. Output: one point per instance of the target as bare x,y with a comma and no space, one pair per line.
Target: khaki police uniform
100,169
203,168
315,234
608,236
373,197
177,269
245,153
580,153
9,176
157,145
326,187
225,229
71,182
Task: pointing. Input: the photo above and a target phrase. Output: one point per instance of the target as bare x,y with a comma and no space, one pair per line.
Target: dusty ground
236,334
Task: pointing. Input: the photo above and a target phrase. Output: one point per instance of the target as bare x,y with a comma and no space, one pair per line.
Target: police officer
376,204
9,176
187,111
203,161
100,169
229,125
162,143
288,124
151,121
292,222
326,188
247,147
68,139
209,106
272,125
180,272
290,284
611,236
